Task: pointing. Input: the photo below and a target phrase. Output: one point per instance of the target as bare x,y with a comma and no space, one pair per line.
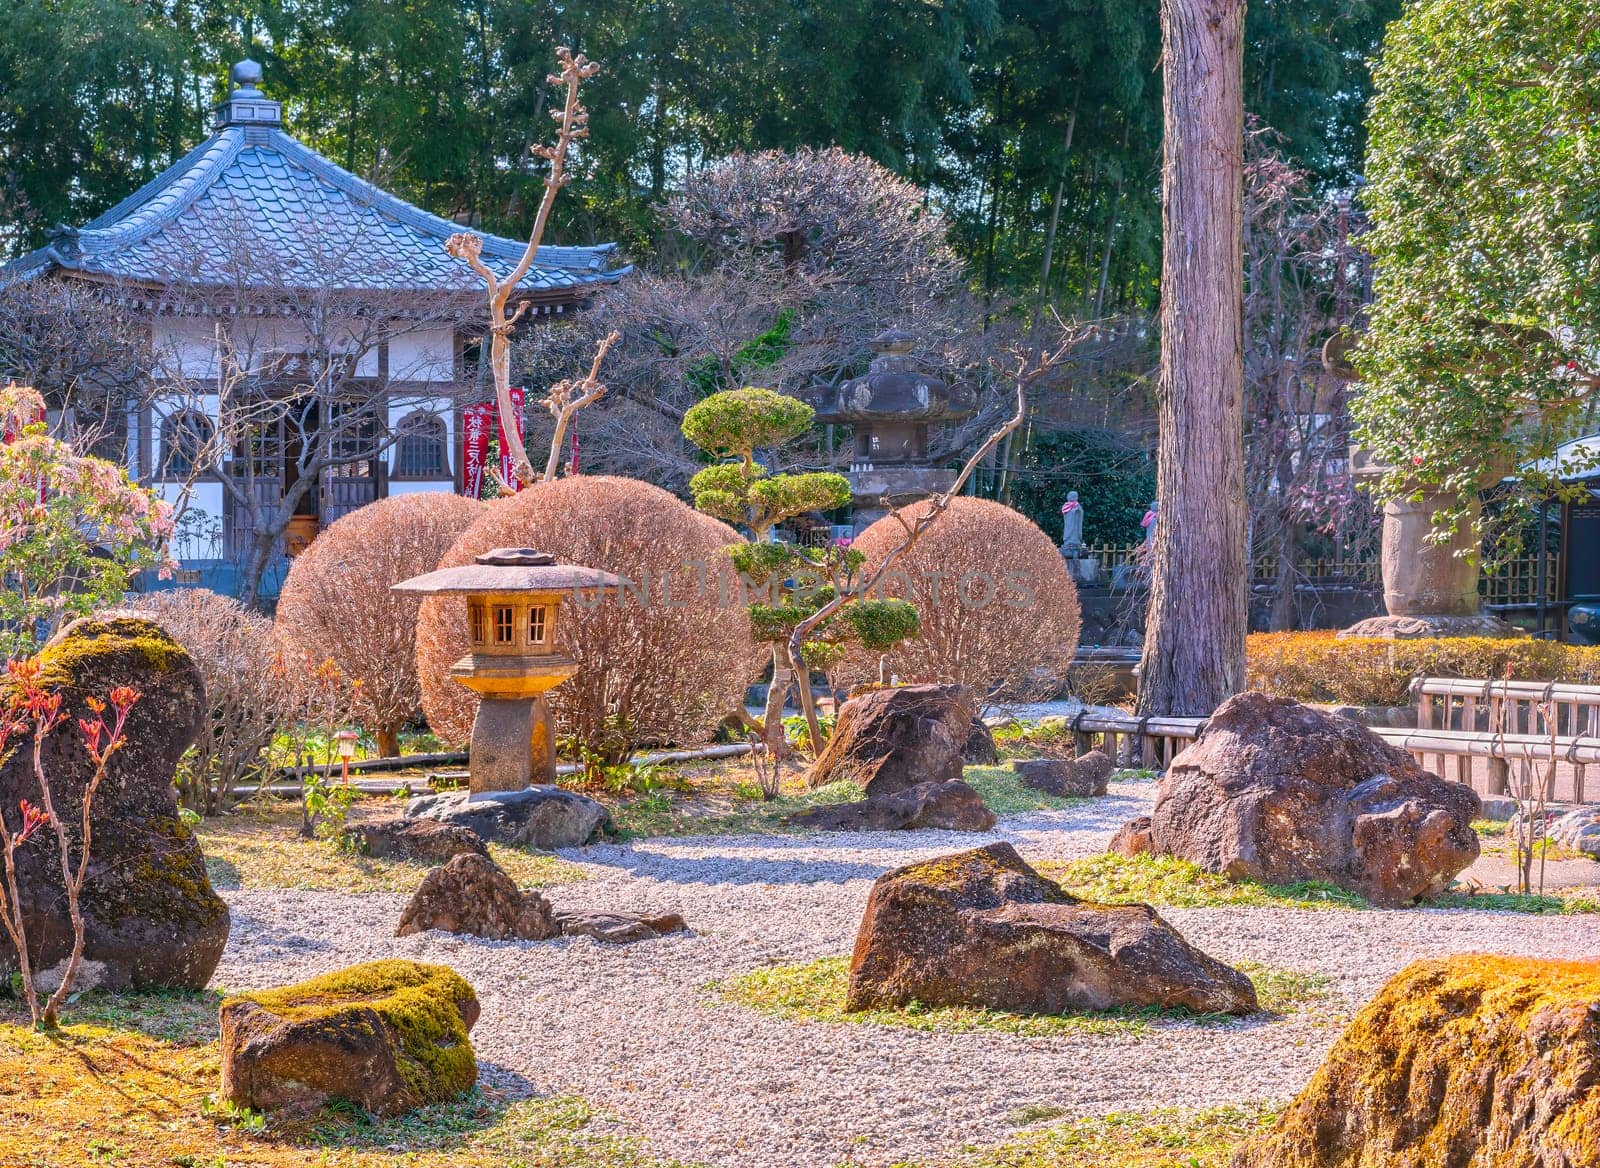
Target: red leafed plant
30,714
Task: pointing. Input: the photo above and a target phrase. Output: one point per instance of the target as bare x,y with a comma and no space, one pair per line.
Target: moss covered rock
388,1036
892,739
1464,1062
981,928
151,916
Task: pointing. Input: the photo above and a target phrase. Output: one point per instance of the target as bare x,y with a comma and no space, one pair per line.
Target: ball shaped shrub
996,604
336,604
662,660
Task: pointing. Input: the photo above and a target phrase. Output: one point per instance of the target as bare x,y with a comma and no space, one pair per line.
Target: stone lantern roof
894,388
505,570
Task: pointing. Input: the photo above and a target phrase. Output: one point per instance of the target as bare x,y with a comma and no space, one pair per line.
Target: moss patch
1166,882
133,1085
99,638
815,992
1154,1139
260,846
1004,793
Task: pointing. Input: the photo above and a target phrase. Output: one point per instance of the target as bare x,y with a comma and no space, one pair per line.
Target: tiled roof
252,200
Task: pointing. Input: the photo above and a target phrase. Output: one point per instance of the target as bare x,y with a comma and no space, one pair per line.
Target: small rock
430,841
472,895
892,739
618,928
388,1036
543,817
980,749
1499,808
1132,838
952,806
1578,830
981,928
1081,777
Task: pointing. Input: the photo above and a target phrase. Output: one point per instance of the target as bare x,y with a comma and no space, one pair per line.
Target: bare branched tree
776,272
572,122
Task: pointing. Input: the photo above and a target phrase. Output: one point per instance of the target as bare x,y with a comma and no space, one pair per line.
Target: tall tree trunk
1194,634
1055,205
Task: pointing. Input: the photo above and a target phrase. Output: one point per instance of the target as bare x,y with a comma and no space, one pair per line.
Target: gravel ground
636,1030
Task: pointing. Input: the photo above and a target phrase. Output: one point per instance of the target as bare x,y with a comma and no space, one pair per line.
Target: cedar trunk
1194,636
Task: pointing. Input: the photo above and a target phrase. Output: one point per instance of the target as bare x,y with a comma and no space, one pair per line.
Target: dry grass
260,846
131,1081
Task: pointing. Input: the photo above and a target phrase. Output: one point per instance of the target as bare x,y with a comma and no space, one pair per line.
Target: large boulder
1279,792
950,806
388,1036
429,841
472,895
981,928
980,749
1088,774
1487,1062
1578,830
543,817
151,918
892,739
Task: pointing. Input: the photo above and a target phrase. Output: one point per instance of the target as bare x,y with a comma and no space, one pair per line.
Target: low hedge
1318,667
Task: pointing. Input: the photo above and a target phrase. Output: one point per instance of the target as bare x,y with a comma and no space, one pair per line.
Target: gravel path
635,1029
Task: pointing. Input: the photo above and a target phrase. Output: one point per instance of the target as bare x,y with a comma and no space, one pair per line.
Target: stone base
1410,628
541,817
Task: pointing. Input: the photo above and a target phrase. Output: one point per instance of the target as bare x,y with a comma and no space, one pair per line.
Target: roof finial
247,75
245,104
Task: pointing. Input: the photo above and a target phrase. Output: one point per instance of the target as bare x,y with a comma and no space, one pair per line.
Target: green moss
69,660
1005,794
1471,1059
1164,881
420,1003
1156,1139
815,992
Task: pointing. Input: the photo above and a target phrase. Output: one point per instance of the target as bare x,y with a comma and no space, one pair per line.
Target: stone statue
1151,517
1071,525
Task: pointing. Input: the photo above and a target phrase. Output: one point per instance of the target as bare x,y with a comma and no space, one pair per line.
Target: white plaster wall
188,348
426,354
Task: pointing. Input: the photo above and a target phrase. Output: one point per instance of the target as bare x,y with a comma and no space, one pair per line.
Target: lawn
131,1081
259,845
815,992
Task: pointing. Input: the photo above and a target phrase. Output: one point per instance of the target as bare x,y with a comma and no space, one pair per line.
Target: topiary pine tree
790,582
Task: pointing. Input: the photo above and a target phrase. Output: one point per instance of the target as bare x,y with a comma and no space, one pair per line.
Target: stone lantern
889,409
513,598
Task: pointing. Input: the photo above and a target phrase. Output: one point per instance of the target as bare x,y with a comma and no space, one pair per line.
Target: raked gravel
636,1030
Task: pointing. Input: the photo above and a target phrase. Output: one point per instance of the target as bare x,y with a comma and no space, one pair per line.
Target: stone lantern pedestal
1430,589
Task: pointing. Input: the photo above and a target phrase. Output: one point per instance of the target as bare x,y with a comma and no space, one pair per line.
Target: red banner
476,421
508,472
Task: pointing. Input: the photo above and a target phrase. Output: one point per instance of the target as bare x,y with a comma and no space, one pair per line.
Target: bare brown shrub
336,604
997,606
245,696
657,669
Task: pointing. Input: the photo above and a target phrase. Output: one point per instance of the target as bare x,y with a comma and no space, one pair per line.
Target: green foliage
721,490
742,421
73,529
1115,482
784,496
880,625
1485,239
1163,882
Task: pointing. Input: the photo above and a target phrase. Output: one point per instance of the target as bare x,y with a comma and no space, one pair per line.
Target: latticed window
476,616
503,625
420,452
536,619
184,435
